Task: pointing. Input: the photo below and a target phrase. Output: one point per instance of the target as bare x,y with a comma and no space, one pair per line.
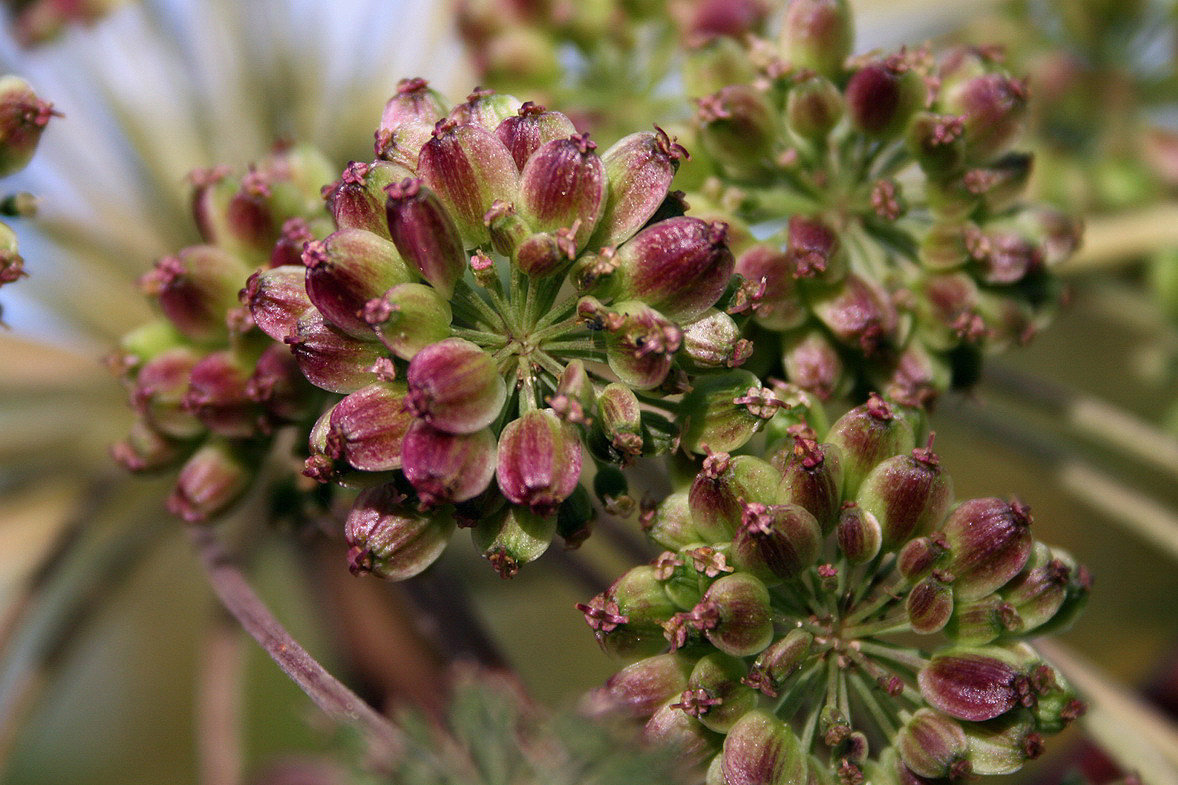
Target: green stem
885,626
481,337
883,719
470,298
906,657
555,330
886,595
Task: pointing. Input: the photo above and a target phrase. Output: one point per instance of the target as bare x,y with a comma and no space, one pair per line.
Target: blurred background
111,638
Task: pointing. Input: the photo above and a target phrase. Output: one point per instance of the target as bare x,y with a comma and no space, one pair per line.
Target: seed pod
369,425
680,731
445,467
813,363
717,492
408,121
908,494
391,540
994,108
981,621
159,389
468,168
564,186
679,266
814,107
345,271
714,341
883,96
738,130
539,461
971,684
781,306
617,431
455,387
858,313
715,695
812,477
639,689
277,299
485,108
735,615
425,234
989,543
933,745
409,317
215,477
357,200
929,606
867,435
815,250
196,288
818,34
672,526
531,128
858,533
1001,745
513,537
640,343
723,411
217,395
639,168
330,359
762,750
778,663
776,542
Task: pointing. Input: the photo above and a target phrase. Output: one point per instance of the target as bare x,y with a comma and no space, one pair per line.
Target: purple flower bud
564,185
408,121
357,199
196,288
717,492
279,386
715,694
858,533
640,342
639,168
676,729
210,481
468,168
908,494
329,358
738,129
858,312
714,341
814,107
994,107
1076,596
780,306
734,615
671,525
815,250
933,745
445,467
723,411
617,430
818,35
159,389
776,542
345,271
971,684
989,542
539,461
730,18
409,317
778,663
812,477
882,96
762,750
1038,592
146,450
920,556
929,605
512,537
391,540
867,435
813,363
23,117
368,426
485,108
425,234
277,299
455,387
639,689
217,395
679,266
530,129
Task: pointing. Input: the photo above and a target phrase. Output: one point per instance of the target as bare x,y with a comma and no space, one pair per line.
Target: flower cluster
23,117
781,586
208,388
908,251
496,296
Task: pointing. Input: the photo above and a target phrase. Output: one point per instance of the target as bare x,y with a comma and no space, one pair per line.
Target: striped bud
277,299
408,121
778,663
425,234
780,306
908,494
215,477
455,387
972,684
640,343
391,540
672,526
813,363
723,411
930,604
882,96
858,533
812,476
818,34
530,129
485,108
867,435
639,689
346,270
734,615
445,467
989,543
368,426
329,358
639,168
776,542
563,186
357,199
513,537
196,288
408,318
762,750
717,492
217,395
933,745
539,461
714,341
715,694
814,107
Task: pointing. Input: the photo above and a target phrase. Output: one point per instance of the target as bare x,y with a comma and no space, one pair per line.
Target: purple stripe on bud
539,461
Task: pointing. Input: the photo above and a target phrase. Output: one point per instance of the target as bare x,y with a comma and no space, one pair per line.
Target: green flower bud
671,525
867,435
981,621
678,730
812,477
814,107
407,122
718,491
778,663
357,199
776,542
858,533
486,108
513,537
722,412
715,695
818,34
641,688
23,117
345,271
908,494
1003,744
762,750
714,341
738,130
408,318
935,141
617,431
734,615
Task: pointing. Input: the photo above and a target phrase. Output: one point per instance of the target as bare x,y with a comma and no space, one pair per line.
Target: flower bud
531,128
1038,592
513,537
408,318
1075,598
564,185
639,689
714,341
981,621
468,168
920,556
628,618
815,250
818,35
408,121
196,288
908,494
679,266
776,542
715,694
971,684
933,745
146,450
23,117
858,534
930,604
715,64
215,477
671,526
781,306
989,542
678,730
717,492
279,386
1056,705
368,426
813,363
814,107
639,168
329,358
994,108
391,540
762,750
882,96
723,411
867,435
936,142
217,395
485,108
159,390
738,130
812,476
357,199
640,343
734,615
1002,745
858,313
617,430
455,387
445,467
539,461
575,517
345,271
778,663
277,299
425,234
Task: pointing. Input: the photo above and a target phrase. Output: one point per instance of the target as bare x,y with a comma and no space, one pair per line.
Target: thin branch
218,709
328,693
1115,240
